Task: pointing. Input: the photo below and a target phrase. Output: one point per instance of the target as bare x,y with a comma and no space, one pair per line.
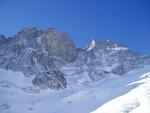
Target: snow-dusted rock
58,44
4,107
126,67
108,53
53,79
97,74
34,51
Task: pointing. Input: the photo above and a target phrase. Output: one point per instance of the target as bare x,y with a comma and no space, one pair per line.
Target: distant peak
27,29
92,45
29,32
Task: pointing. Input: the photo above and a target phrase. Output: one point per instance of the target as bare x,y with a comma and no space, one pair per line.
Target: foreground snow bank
113,94
137,100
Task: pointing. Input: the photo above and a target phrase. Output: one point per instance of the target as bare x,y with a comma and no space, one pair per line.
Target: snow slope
114,94
137,100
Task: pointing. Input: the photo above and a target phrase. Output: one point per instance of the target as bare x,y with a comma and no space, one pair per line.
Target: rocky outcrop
97,74
53,79
127,66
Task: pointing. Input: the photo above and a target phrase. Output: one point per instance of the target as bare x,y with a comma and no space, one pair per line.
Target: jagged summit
28,29
91,45
105,45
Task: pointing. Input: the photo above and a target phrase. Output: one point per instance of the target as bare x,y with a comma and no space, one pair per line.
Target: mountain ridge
40,53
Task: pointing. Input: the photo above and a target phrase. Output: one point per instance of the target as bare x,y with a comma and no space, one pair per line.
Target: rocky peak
50,30
110,45
2,39
105,53
28,33
27,30
34,52
58,44
91,45
105,45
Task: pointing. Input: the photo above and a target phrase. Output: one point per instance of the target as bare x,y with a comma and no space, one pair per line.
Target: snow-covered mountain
41,71
33,52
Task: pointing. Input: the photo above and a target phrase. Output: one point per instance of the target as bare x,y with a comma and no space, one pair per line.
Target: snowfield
136,100
114,94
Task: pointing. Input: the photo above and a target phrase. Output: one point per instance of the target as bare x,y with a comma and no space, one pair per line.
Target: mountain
33,52
33,62
42,53
103,57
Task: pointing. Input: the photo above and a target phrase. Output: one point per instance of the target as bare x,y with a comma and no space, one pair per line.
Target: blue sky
124,21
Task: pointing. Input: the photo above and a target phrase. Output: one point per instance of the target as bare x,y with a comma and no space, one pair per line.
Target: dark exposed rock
58,44
97,74
53,79
126,67
4,107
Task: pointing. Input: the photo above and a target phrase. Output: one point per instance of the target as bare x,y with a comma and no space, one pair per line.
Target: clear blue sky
124,21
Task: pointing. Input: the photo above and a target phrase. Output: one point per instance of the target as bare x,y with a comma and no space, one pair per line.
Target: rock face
107,53
97,74
40,53
104,54
34,51
53,79
127,66
58,45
